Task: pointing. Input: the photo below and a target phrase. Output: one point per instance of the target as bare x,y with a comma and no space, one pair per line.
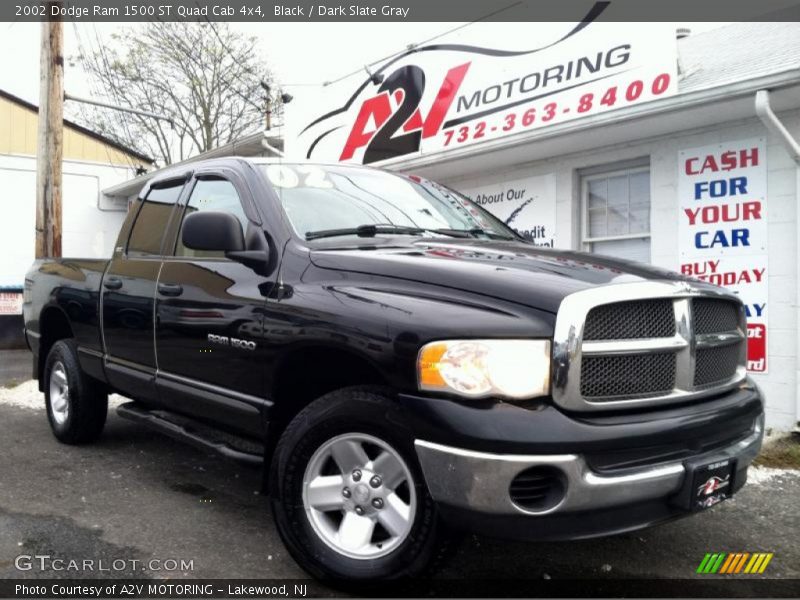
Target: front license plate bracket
707,483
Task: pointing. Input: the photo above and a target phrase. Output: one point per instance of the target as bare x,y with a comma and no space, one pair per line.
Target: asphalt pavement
136,496
15,367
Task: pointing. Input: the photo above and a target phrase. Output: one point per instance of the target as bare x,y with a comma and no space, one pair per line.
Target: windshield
325,201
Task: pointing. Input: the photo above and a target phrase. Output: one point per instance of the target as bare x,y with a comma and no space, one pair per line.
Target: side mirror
212,232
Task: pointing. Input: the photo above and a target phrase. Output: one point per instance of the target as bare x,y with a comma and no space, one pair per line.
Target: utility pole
49,153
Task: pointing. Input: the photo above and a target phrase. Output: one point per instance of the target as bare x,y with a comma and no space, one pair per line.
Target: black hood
517,271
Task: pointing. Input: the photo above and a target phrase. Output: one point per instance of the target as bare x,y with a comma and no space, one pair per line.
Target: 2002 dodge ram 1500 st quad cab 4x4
401,362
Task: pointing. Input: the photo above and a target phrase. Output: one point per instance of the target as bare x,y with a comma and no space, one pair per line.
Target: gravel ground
139,495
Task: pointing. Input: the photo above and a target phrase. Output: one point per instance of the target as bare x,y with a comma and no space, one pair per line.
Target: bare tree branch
206,79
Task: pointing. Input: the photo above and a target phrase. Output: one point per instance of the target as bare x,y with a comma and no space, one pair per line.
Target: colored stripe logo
735,563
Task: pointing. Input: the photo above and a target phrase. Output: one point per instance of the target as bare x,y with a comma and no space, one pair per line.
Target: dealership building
669,148
90,220
676,149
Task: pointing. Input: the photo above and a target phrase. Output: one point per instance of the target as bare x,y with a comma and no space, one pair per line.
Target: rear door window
151,222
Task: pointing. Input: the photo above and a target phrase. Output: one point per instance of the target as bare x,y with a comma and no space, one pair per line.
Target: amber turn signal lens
428,365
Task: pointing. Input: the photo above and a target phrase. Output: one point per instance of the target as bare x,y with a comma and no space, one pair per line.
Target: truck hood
516,271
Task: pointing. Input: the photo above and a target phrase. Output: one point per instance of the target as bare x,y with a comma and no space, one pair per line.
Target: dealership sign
10,303
526,205
723,228
488,81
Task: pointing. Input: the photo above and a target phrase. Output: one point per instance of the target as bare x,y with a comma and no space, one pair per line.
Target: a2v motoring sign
723,228
487,81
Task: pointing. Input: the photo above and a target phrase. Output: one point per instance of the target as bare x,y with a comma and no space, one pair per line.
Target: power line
93,90
427,41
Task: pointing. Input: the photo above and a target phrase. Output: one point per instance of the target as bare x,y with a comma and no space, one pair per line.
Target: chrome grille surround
569,347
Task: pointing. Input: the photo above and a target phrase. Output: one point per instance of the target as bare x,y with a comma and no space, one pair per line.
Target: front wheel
348,494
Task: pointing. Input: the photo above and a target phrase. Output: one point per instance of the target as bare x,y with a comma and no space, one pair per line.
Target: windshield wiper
365,231
478,232
374,229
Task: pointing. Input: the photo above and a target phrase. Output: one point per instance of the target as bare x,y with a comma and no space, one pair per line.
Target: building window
616,213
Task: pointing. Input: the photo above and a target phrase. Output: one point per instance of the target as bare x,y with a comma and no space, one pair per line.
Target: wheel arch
54,325
310,371
307,372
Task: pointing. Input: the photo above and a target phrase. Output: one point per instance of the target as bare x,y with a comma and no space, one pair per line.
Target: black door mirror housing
212,232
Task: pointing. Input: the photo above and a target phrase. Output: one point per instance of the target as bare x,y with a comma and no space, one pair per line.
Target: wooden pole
49,153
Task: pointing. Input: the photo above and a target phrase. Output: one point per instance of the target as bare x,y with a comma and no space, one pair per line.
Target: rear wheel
348,494
76,404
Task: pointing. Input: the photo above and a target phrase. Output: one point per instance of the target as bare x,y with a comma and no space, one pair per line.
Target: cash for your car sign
483,82
527,205
723,228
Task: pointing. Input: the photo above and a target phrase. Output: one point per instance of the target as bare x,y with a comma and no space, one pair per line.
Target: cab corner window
151,222
214,195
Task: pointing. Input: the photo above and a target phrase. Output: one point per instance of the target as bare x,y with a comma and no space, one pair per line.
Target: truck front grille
645,344
716,365
627,375
711,316
630,320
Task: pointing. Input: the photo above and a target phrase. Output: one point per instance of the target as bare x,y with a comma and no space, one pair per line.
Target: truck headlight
517,369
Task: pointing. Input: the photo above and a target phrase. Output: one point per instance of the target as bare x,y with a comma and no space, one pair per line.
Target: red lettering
379,109
726,213
728,160
748,158
700,268
709,163
447,93
751,210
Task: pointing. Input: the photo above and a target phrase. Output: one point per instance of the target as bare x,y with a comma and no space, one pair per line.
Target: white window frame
586,242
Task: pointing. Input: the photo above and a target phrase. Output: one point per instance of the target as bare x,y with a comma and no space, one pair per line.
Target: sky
347,47
297,53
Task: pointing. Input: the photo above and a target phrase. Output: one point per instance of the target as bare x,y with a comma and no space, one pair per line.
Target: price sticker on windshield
284,176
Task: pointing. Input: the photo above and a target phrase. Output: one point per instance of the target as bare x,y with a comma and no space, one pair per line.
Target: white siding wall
780,384
88,232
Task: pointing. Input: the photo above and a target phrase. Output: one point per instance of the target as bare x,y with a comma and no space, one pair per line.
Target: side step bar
195,433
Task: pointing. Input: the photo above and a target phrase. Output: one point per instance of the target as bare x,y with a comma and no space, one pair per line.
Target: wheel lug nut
346,492
356,475
375,481
359,510
377,503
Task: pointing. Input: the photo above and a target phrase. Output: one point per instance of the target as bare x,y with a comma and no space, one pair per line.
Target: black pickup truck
402,363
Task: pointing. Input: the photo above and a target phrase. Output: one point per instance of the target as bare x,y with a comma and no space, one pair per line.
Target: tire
368,418
76,404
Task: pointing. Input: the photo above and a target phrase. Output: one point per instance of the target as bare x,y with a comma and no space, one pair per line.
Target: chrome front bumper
480,481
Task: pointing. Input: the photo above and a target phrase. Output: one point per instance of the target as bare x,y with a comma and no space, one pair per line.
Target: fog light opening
538,489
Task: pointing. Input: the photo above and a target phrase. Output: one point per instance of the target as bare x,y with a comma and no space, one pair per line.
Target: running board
195,433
